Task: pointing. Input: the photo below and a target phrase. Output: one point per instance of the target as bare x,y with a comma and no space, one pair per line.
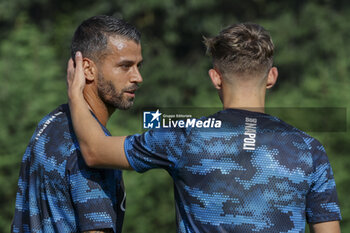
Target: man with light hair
255,173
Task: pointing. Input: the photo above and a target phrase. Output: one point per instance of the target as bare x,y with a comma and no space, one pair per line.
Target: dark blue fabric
283,180
57,191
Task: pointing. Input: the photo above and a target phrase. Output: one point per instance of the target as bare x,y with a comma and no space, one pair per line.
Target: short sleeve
161,148
94,195
322,201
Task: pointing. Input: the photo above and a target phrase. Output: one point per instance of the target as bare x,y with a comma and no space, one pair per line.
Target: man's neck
98,107
244,97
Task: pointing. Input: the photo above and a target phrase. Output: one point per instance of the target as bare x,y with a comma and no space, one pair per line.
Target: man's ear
90,69
216,78
271,77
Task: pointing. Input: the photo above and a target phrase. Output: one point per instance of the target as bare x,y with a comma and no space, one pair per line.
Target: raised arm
97,149
325,227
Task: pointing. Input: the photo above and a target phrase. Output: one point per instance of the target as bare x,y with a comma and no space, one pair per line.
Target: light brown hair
244,49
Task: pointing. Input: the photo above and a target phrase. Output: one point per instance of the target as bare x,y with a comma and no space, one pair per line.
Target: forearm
325,227
86,128
97,149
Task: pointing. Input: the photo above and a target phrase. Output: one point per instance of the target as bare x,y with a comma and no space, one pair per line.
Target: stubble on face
111,97
117,79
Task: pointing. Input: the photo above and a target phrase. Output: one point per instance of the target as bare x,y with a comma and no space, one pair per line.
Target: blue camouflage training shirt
254,174
57,191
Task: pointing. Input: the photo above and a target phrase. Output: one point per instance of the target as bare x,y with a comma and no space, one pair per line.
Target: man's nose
136,76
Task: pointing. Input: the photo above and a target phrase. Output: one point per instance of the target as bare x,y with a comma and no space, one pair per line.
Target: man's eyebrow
130,62
126,62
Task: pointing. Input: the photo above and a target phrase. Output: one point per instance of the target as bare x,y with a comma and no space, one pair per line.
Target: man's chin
122,105
125,106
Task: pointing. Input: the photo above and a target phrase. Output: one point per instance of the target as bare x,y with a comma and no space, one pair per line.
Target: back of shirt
57,191
254,174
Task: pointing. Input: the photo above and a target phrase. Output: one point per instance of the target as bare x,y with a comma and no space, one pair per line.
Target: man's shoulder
297,134
56,120
51,147
274,128
61,113
54,131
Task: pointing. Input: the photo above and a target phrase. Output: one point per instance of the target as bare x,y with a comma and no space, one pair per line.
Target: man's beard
111,97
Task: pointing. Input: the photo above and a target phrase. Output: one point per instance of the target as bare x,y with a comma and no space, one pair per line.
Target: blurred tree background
312,41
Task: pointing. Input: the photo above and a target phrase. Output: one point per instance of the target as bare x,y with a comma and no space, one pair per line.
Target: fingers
79,77
79,62
75,76
70,71
75,73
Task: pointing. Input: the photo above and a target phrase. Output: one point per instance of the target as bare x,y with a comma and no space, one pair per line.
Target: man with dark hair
254,174
57,191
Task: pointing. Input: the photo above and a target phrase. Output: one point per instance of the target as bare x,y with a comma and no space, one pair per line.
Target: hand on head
75,76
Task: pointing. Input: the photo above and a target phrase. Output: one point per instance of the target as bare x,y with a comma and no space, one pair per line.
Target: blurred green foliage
312,41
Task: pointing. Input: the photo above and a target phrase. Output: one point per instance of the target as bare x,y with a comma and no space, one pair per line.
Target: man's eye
125,66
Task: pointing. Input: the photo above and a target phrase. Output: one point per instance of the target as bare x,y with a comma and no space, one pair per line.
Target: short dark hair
244,48
91,36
